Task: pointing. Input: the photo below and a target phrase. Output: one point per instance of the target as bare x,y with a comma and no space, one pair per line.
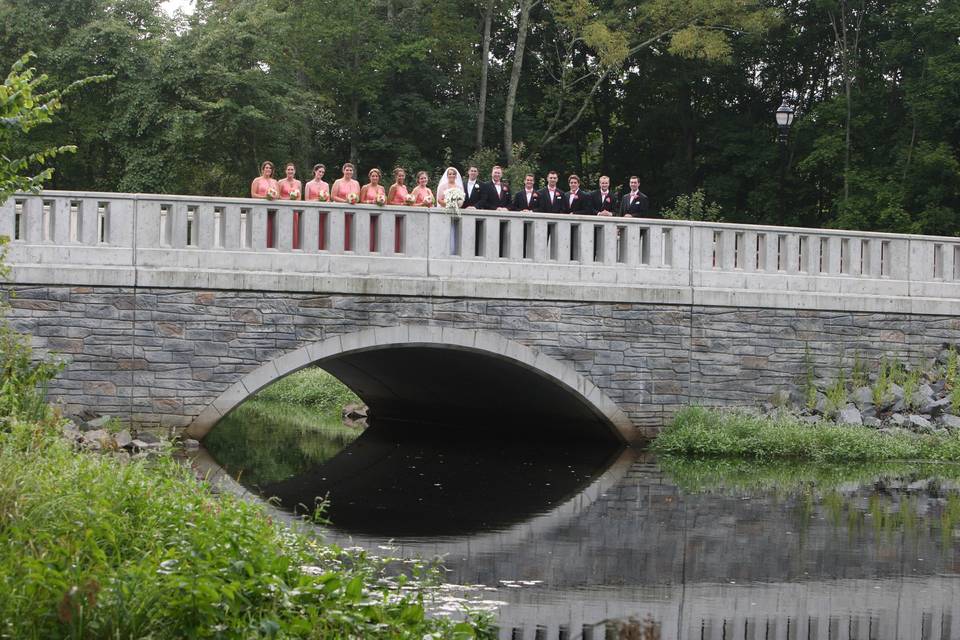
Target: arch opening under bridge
454,380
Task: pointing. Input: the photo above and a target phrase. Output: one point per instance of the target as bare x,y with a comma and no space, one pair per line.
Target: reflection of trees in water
888,498
262,442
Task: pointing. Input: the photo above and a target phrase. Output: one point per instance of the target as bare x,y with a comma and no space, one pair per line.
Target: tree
23,106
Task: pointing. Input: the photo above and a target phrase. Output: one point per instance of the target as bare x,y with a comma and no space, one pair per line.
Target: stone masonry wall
161,355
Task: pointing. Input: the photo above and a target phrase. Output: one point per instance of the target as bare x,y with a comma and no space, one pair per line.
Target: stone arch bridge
172,310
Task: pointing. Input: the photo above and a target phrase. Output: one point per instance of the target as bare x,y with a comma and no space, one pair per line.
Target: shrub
311,386
92,547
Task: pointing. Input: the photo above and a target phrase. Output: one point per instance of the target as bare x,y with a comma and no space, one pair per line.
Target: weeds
702,432
859,376
809,381
911,382
881,387
837,394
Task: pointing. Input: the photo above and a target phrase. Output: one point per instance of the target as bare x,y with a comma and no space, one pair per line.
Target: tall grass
92,547
697,431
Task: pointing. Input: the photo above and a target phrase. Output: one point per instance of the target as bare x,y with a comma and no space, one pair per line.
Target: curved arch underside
454,381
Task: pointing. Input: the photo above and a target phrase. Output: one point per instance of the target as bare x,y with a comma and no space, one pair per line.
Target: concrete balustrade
80,238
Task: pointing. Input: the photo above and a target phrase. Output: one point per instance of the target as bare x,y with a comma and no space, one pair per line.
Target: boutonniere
576,196
607,199
535,195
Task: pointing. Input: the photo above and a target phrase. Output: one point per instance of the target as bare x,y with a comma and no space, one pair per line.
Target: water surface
573,539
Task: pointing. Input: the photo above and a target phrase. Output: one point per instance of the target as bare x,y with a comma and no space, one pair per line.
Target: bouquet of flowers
381,200
352,198
428,201
454,197
409,199
272,194
323,196
294,195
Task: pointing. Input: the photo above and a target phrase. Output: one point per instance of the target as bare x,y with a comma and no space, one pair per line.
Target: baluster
586,243
284,229
61,220
33,218
541,250
7,217
310,230
335,222
257,228
491,241
609,243
468,237
178,225
728,249
563,231
204,224
361,233
515,233
834,256
88,222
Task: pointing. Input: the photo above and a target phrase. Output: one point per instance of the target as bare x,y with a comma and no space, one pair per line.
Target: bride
451,178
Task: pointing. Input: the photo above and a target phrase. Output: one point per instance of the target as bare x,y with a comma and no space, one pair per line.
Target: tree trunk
523,23
484,69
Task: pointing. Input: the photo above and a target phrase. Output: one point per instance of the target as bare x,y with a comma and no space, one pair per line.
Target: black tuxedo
580,205
489,198
471,199
638,208
546,206
598,204
520,201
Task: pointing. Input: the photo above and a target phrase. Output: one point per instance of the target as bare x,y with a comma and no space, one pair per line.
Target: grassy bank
313,387
267,441
702,432
95,548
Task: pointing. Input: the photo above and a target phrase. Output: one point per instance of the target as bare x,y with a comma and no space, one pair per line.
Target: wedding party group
453,191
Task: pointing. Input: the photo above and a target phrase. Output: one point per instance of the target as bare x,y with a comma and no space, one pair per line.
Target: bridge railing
166,240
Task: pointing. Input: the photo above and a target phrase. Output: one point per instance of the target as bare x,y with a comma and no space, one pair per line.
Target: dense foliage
313,387
680,92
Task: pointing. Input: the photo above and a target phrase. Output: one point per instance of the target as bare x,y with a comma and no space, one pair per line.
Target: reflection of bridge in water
629,543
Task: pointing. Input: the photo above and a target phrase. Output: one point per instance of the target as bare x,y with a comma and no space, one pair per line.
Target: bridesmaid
290,185
345,185
370,191
422,196
264,182
317,186
398,190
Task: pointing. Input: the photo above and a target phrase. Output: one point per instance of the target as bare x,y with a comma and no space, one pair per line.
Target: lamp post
784,116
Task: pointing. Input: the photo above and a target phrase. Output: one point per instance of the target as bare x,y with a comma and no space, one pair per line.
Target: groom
494,194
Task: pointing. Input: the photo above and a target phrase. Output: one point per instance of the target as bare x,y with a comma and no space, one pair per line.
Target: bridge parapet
111,239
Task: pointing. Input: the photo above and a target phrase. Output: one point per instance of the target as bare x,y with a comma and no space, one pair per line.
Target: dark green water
569,541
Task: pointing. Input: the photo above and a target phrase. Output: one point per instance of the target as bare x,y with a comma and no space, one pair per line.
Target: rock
123,439
141,445
898,420
938,387
898,406
862,396
925,390
949,421
920,400
810,419
869,411
936,407
919,423
821,406
354,411
781,398
149,438
190,443
871,421
849,415
95,424
943,357
97,435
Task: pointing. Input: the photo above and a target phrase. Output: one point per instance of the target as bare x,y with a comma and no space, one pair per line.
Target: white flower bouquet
454,197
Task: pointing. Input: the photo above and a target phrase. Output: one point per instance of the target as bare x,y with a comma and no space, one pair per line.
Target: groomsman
494,194
471,189
603,202
634,204
527,199
551,198
576,201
